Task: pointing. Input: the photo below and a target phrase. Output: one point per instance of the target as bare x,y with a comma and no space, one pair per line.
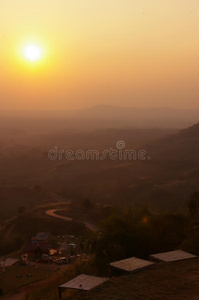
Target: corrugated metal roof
131,264
172,256
84,282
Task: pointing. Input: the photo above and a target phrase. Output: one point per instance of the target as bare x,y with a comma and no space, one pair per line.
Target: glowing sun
32,52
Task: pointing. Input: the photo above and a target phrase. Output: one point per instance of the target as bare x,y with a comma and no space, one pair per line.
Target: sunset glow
143,53
32,52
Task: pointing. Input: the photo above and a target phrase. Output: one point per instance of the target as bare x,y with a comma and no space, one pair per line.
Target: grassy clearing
9,281
49,288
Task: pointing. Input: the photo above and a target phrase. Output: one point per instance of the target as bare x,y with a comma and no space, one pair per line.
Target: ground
163,281
10,282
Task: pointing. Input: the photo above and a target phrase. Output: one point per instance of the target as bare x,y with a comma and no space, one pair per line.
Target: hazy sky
142,53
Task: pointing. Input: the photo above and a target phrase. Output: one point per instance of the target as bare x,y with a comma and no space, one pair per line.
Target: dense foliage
132,233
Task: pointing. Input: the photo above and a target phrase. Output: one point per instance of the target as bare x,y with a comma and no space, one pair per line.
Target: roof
84,282
172,256
41,236
131,264
8,262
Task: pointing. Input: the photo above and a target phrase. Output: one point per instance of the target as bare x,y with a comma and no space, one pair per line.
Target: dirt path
52,213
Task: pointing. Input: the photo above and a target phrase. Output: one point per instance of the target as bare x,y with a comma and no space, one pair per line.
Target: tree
193,205
137,233
21,210
87,204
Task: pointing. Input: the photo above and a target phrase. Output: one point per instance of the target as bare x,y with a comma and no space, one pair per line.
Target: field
10,282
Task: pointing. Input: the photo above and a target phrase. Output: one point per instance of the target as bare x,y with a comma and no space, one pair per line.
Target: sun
32,52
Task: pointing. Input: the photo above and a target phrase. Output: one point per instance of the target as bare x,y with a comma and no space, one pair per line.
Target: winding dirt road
52,213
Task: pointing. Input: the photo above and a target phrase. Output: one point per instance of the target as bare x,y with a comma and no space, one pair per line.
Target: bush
191,244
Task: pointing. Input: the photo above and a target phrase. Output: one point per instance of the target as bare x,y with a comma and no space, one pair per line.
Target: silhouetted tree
87,204
21,210
193,205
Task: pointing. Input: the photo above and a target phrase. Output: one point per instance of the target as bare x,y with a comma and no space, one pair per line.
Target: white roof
84,282
131,264
173,256
8,262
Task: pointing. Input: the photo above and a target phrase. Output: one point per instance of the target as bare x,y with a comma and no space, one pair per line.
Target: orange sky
142,53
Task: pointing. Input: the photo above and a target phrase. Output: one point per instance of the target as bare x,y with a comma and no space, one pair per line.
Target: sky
139,53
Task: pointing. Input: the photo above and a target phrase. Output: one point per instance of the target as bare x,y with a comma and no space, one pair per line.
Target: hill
96,117
162,281
165,182
16,198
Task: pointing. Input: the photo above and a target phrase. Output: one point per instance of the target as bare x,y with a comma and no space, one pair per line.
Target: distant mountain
165,182
101,116
141,117
181,146
172,175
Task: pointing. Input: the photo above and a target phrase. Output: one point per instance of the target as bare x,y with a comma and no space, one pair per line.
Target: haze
129,53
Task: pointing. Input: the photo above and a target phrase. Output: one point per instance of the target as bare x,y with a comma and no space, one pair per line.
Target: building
37,249
41,237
